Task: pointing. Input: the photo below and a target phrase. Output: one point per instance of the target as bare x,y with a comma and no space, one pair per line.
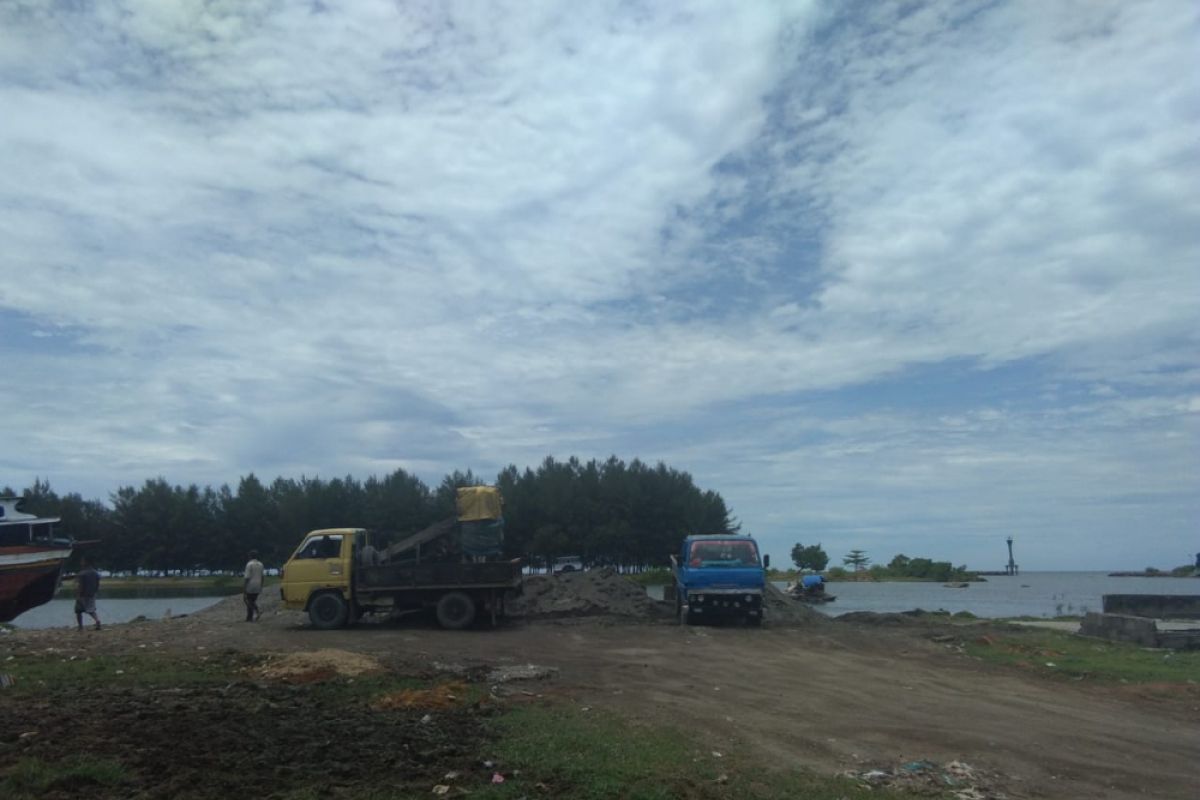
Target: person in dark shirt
87,586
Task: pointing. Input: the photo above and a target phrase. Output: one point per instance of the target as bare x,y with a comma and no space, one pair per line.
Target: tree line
814,557
629,515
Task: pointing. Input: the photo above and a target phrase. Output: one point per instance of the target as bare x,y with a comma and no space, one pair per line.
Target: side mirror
767,561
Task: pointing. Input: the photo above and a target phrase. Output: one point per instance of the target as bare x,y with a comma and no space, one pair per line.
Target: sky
902,277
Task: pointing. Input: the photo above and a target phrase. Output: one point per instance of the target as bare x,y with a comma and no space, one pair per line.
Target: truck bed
487,575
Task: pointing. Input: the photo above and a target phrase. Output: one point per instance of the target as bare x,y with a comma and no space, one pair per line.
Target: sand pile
317,665
599,592
783,610
441,697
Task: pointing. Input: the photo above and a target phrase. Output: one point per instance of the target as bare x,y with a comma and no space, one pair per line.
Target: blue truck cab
719,577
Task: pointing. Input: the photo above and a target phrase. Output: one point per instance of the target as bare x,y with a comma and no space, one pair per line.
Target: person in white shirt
252,586
368,556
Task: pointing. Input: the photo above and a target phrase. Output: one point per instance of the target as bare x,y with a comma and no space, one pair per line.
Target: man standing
252,586
87,586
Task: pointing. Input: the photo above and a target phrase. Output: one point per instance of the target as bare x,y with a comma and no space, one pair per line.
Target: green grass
32,777
1078,657
561,751
33,674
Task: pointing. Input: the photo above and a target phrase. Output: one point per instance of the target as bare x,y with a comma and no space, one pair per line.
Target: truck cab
719,577
318,578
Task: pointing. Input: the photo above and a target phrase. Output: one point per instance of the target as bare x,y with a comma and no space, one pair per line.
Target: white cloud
356,236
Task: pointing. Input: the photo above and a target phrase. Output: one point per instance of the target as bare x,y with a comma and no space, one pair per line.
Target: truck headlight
749,598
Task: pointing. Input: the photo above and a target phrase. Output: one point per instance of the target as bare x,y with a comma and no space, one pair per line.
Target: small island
857,566
1185,571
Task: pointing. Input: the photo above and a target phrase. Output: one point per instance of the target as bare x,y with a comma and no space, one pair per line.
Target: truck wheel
328,610
455,610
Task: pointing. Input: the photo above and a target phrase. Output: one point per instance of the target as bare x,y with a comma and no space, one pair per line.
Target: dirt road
827,696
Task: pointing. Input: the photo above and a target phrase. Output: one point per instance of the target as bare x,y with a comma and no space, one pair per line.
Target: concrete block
1121,628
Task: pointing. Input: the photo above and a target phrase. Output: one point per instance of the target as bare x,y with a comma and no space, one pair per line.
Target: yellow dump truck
452,567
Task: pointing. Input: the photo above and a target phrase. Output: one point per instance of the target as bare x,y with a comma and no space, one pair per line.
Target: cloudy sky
906,277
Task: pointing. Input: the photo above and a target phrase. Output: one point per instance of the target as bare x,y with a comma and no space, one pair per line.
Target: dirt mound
317,665
876,618
441,697
597,592
783,610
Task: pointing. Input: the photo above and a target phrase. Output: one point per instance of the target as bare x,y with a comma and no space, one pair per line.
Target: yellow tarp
478,502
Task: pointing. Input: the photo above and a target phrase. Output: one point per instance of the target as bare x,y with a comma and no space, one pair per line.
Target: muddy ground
248,739
824,695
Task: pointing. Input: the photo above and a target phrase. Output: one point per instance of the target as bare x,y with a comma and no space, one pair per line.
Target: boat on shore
31,559
814,593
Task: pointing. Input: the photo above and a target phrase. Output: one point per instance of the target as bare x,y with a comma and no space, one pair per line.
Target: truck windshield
723,553
327,546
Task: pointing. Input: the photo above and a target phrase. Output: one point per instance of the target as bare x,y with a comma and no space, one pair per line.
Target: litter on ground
961,780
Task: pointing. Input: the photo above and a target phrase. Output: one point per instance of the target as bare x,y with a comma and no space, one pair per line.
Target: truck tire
328,610
455,610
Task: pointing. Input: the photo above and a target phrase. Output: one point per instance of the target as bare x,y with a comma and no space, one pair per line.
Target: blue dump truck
719,578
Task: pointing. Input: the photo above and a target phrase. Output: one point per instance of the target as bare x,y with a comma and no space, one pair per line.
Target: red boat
31,559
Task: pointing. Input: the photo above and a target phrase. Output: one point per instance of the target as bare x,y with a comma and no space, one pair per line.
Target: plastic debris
6,680
497,777
521,672
963,781
441,788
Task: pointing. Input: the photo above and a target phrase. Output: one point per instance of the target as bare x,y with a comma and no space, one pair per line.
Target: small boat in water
31,559
813,593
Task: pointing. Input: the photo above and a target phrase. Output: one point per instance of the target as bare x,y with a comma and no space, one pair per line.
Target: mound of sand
784,610
441,697
877,619
605,592
330,663
599,592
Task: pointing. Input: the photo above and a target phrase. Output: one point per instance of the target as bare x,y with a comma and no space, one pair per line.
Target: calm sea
1032,594
61,613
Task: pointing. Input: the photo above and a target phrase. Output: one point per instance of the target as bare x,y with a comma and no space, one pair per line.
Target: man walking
252,586
87,586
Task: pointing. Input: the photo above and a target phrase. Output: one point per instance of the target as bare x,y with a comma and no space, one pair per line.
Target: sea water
61,613
1031,594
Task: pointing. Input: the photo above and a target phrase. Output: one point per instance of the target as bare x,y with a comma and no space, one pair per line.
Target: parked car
568,564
